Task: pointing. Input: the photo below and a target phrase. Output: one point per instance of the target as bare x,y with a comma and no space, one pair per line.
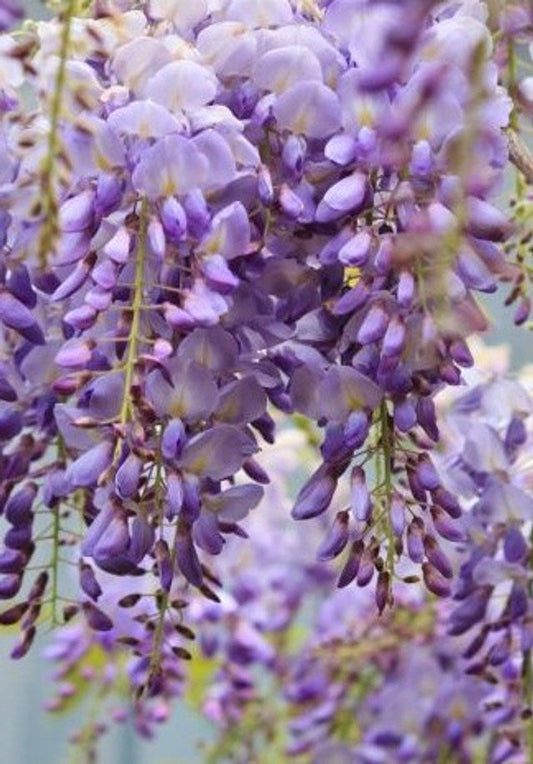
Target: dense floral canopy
228,224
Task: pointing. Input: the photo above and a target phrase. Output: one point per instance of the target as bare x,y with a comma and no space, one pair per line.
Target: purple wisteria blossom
215,217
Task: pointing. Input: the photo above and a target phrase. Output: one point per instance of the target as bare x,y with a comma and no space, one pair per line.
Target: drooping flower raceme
214,212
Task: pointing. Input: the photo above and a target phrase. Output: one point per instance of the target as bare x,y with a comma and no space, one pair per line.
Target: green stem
159,632
527,673
55,565
55,531
387,443
511,72
49,202
136,311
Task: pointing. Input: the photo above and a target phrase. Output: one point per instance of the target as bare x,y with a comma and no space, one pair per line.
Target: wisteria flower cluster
220,220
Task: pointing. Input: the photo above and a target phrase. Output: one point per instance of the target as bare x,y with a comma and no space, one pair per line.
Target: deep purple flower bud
266,426
444,525
20,286
81,318
447,501
142,539
10,585
351,567
449,373
425,411
107,536
98,298
516,434
421,159
38,587
265,188
382,590
290,202
12,561
374,325
15,315
128,476
437,557
156,239
366,569
485,221
74,353
360,501
293,156
415,542
174,219
383,258
356,251
13,614
426,473
470,612
333,448
394,338
352,300
24,644
356,429
476,644
523,311
96,619
173,439
18,508
218,274
108,194
434,581
406,289
32,616
164,564
517,602
66,385
88,582
90,466
177,317
18,538
418,492
397,515
404,414
7,392
514,545
198,217
341,149
175,492
336,539
77,213
347,195
316,495
461,354
75,280
105,274
192,503
206,533
118,247
254,471
187,559
499,652
11,423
